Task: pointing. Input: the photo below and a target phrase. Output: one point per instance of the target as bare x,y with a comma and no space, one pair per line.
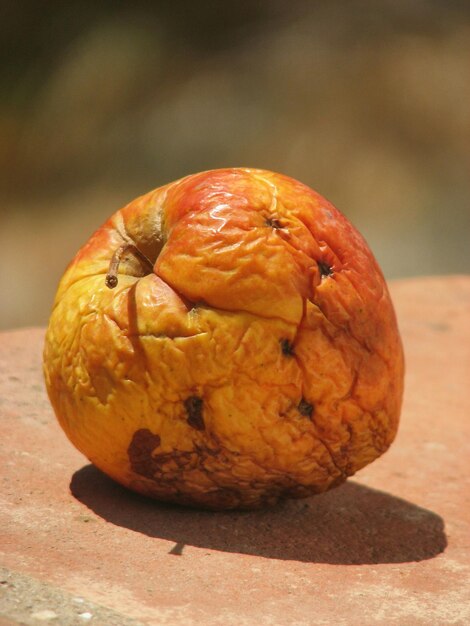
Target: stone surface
391,546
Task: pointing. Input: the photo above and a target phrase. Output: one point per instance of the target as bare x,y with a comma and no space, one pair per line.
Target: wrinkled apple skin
261,358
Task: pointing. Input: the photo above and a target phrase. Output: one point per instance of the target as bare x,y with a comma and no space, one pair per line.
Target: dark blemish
144,461
193,406
273,223
140,451
287,347
194,306
325,269
305,408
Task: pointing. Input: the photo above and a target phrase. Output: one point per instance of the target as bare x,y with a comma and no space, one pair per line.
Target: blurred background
367,101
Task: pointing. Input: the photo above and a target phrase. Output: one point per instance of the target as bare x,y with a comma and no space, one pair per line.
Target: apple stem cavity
112,275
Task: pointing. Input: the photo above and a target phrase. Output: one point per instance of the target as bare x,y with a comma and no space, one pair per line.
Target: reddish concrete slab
392,546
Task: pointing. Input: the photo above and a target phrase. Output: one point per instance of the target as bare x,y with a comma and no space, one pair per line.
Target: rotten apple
225,341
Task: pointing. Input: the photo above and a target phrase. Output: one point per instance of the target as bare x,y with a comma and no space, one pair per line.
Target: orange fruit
224,341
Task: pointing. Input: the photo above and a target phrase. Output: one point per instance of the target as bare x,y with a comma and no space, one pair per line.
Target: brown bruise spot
325,269
166,465
140,451
193,406
305,408
287,347
273,222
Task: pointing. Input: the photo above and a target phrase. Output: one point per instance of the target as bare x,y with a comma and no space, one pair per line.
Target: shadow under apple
352,524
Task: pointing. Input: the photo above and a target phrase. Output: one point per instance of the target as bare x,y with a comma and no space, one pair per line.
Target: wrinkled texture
261,358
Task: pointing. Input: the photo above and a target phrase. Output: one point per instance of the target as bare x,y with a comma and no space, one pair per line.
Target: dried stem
111,276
